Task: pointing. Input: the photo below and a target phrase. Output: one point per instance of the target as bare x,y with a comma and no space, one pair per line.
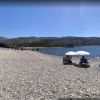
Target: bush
4,45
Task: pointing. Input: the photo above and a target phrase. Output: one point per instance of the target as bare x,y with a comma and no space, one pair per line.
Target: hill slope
51,41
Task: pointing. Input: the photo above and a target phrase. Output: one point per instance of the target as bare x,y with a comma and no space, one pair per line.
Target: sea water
60,51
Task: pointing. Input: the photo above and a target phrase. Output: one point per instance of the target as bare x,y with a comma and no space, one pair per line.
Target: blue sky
49,20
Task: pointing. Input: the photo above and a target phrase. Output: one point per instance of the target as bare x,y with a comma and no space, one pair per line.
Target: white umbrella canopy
82,53
70,53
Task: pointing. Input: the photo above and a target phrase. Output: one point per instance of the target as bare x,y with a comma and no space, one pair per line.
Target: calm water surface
60,51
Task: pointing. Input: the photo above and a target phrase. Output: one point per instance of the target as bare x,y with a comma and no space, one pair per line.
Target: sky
49,20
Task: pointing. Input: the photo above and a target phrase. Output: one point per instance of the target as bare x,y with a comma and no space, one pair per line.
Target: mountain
50,41
3,38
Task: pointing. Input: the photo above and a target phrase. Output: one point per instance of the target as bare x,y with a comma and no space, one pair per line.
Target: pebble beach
30,75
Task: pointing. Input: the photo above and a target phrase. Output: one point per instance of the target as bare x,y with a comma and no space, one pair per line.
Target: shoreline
31,75
61,56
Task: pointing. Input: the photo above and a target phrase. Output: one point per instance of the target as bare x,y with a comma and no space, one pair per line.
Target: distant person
83,60
22,49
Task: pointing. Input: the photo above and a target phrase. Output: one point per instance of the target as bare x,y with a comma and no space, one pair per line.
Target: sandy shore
30,75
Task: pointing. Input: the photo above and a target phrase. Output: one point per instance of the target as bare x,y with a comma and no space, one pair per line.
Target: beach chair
84,63
65,61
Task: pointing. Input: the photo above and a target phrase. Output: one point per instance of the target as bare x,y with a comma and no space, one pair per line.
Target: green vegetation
4,45
49,41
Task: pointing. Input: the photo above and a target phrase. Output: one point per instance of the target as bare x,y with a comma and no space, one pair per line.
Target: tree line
49,42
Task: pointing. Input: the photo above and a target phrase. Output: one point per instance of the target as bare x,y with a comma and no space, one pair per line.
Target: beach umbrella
82,53
70,53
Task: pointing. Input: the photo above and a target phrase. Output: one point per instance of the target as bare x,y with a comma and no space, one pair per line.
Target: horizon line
48,36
